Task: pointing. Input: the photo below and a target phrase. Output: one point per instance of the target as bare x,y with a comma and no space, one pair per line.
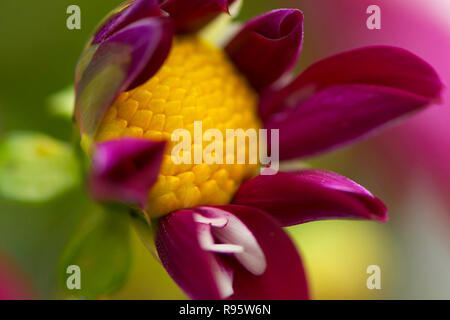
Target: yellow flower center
196,83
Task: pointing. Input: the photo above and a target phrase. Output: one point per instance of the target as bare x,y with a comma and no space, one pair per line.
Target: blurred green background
38,57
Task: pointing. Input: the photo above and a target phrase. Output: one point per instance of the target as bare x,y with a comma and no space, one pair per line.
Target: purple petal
125,15
284,277
124,170
123,61
338,115
194,269
310,195
192,15
268,46
204,270
380,66
345,97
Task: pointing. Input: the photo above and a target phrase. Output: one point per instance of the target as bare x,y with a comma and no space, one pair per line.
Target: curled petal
256,261
309,195
284,277
124,170
378,65
192,15
125,15
268,46
237,234
124,60
338,115
195,270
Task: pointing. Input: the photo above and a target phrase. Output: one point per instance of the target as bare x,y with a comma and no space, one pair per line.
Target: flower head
147,73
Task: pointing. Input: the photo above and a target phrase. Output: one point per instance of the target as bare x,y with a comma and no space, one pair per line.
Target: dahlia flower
147,72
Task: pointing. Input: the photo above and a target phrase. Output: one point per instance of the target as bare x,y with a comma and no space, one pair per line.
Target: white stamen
235,232
222,275
224,280
218,222
207,242
234,236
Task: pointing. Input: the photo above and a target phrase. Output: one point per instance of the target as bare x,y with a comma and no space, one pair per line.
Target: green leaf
101,250
36,168
62,103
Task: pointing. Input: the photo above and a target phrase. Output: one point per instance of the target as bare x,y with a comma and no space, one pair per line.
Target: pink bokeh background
421,145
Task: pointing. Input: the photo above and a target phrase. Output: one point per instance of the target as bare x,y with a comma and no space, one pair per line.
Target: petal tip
124,170
381,212
310,195
279,35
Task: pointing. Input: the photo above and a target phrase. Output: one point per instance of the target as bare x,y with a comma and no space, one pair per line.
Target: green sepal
100,249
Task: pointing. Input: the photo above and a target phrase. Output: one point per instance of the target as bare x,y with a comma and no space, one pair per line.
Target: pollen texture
196,83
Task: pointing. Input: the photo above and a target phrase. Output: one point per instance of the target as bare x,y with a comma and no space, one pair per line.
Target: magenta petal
284,278
124,60
338,115
192,15
124,170
310,195
198,271
125,15
187,263
268,46
380,66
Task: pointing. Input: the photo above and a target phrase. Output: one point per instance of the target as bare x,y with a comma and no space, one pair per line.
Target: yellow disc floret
196,83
